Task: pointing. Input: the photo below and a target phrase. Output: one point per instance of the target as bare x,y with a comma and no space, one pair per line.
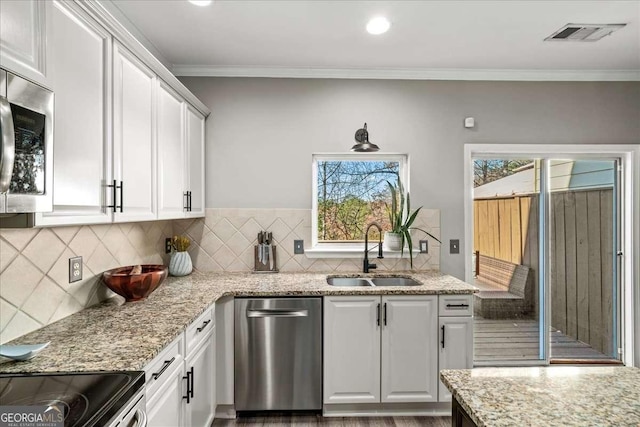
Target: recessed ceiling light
200,2
378,25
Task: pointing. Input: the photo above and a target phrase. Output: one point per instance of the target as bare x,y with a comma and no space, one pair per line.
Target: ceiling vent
583,32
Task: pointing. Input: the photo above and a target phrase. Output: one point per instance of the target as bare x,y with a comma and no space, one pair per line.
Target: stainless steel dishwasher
278,354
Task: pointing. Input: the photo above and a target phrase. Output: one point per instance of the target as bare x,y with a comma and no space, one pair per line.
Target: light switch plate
454,246
167,245
75,269
298,247
424,246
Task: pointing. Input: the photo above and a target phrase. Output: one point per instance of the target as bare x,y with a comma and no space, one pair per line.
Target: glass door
583,236
509,316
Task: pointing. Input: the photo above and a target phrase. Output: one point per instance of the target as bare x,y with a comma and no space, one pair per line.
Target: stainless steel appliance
26,146
278,354
87,399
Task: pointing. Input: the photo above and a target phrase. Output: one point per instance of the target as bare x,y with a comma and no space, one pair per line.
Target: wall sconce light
363,145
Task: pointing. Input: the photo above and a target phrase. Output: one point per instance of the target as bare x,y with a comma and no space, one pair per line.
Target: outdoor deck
496,340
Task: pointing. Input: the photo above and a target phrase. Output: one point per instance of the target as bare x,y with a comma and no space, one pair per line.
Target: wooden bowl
135,287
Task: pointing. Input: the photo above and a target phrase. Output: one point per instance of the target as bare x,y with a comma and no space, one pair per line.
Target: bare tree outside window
486,171
351,194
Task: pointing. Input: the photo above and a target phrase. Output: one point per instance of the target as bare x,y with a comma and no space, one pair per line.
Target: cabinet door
81,57
24,28
456,347
409,348
201,408
351,349
171,154
166,406
195,169
134,148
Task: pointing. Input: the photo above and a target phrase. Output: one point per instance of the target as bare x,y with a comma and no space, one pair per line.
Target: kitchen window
349,192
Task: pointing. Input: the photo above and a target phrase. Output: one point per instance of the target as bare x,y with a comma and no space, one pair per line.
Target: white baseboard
433,409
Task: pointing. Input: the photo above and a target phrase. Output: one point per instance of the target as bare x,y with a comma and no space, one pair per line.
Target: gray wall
262,132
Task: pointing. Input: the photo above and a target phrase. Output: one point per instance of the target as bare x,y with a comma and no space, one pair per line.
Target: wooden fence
581,254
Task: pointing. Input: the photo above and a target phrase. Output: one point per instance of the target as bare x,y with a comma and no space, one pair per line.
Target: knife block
259,267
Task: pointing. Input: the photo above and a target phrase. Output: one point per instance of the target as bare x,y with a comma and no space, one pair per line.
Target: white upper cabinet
127,144
351,349
81,56
134,145
172,177
409,353
195,162
24,29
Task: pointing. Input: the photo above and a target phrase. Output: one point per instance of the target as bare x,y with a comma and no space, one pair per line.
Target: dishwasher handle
277,312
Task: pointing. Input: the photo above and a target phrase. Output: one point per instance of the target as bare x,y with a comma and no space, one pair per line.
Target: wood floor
318,420
518,339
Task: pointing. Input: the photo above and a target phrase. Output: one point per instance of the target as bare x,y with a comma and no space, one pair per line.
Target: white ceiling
427,38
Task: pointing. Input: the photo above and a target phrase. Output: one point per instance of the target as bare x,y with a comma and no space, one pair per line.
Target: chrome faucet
365,265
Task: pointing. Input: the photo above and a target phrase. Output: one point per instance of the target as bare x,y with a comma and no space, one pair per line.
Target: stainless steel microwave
26,146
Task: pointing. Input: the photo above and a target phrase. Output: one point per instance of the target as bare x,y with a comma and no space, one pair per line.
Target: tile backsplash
34,268
34,263
224,240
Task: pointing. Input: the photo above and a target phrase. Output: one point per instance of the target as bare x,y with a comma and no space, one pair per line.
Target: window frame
346,250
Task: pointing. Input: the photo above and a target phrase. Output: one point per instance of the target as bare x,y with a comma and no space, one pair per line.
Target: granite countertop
114,336
548,396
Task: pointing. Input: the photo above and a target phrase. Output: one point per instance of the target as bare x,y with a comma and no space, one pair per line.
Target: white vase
180,264
392,241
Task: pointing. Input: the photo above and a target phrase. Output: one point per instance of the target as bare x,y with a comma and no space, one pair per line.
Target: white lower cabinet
181,390
455,336
456,347
409,357
380,349
351,349
165,407
200,366
164,386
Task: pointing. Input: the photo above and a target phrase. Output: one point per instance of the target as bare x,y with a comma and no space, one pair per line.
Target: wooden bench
506,290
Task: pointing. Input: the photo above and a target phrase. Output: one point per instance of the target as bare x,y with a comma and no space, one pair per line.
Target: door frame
629,270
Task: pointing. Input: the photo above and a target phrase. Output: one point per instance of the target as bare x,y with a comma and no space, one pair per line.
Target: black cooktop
87,398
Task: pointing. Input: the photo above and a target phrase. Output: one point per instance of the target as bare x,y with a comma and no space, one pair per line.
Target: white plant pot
392,241
180,264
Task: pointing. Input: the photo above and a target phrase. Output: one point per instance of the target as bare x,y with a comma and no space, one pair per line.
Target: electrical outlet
424,246
298,247
454,246
75,269
167,245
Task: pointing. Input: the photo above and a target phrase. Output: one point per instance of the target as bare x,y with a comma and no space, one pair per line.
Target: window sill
353,251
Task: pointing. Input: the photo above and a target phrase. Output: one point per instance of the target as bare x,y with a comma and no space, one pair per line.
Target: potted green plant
180,263
401,219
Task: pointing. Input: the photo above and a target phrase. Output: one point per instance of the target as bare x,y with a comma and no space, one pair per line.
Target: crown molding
408,74
120,33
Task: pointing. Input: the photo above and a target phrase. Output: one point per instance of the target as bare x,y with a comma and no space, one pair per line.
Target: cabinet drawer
455,305
200,329
159,370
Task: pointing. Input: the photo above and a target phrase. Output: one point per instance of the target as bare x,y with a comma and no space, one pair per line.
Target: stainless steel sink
394,281
348,281
372,281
